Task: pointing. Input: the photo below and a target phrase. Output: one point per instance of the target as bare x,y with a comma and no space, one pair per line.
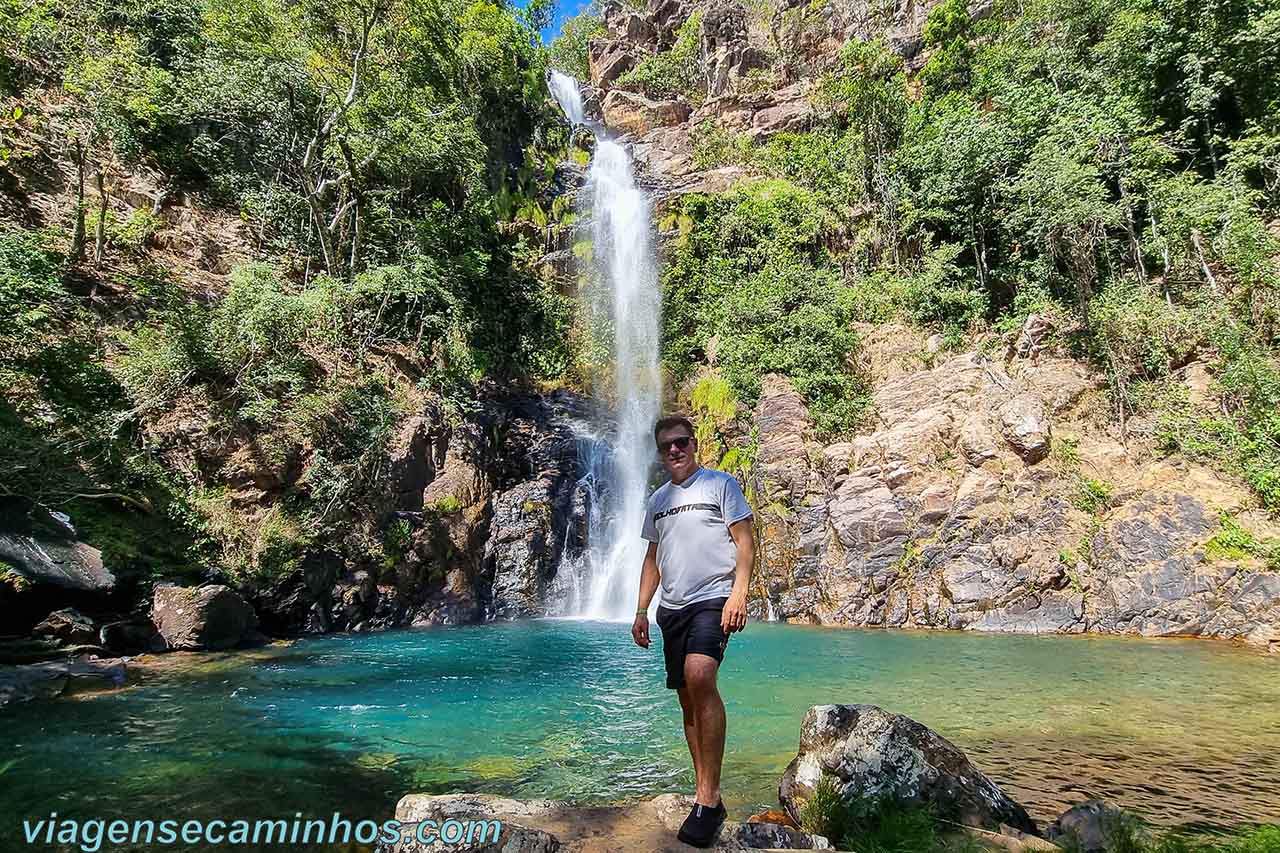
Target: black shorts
693,629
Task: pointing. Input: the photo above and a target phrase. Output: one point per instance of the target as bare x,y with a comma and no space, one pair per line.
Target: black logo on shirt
657,516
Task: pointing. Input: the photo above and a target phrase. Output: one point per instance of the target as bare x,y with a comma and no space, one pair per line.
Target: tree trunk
77,234
100,230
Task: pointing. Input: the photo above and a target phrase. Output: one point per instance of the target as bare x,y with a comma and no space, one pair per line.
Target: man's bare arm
649,578
734,616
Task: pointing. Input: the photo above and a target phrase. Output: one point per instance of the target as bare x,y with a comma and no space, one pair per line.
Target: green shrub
714,407
673,72
447,505
1233,542
1138,335
826,812
136,232
1245,436
31,293
1093,496
1127,834
935,293
873,825
752,273
157,362
946,34
397,539
715,146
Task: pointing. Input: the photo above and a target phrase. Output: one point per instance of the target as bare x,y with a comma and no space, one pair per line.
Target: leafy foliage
873,825
752,287
568,52
381,156
676,71
1109,163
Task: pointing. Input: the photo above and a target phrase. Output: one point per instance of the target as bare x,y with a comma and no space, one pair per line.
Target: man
698,526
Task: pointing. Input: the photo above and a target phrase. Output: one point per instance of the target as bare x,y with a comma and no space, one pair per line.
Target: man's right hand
640,630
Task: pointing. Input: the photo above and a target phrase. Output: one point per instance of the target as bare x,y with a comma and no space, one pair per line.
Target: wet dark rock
50,680
412,460
132,636
68,626
41,546
527,531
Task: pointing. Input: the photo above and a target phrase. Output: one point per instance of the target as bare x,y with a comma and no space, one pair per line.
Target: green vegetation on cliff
351,173
1113,165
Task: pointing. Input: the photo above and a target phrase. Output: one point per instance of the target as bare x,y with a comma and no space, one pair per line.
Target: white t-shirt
690,522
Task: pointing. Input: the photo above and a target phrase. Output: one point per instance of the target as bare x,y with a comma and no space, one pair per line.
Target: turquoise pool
1184,732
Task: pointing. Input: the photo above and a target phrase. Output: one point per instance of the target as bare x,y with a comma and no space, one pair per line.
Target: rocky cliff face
482,508
753,74
986,497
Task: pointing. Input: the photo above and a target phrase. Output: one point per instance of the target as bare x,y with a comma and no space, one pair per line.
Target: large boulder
608,60
41,546
870,752
1025,425
546,826
629,112
199,618
783,117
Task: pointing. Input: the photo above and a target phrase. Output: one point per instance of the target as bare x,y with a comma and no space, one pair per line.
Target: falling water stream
626,299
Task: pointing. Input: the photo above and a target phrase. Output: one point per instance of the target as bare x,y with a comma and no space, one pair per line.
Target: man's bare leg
709,724
691,732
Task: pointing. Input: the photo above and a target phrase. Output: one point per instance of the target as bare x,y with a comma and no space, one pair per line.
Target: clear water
1184,732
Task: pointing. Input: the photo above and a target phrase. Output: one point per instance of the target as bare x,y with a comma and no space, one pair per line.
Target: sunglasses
681,442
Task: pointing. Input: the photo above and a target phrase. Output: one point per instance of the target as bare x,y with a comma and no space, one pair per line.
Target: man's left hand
734,616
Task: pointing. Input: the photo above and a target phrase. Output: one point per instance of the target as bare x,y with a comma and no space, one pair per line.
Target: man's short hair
669,423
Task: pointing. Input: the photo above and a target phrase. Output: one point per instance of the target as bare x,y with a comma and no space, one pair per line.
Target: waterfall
621,456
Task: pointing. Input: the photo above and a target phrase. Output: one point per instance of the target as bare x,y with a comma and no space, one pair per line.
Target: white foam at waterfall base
627,274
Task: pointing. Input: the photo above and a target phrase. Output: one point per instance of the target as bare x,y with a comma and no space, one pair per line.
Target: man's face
677,459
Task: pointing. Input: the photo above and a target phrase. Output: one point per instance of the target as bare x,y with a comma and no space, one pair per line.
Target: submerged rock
195,619
52,679
1086,827
874,753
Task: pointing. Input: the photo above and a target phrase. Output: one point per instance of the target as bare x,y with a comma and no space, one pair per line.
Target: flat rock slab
49,680
547,826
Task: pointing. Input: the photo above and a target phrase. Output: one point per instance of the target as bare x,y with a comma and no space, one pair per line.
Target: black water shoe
702,824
